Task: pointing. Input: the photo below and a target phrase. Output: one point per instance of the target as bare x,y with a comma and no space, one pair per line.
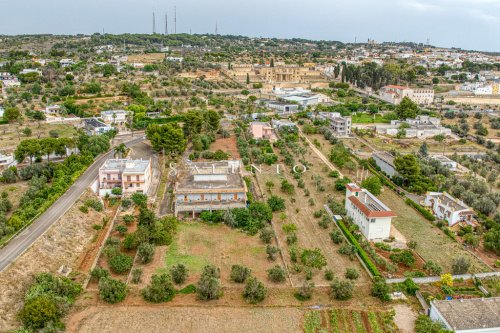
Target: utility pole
154,23
175,19
166,24
216,28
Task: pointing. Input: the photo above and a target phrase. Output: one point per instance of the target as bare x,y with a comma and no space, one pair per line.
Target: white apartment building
340,125
394,94
117,117
132,176
371,215
445,207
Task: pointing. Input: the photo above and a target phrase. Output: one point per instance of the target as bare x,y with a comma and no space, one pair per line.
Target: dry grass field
198,244
62,244
432,243
147,58
11,135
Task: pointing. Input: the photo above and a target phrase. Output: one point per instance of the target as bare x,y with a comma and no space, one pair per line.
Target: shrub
381,290
139,199
255,291
98,273
136,275
351,273
94,204
161,289
84,209
404,257
291,239
39,311
305,291
271,252
410,286
112,291
209,286
318,213
129,242
336,237
324,222
460,265
289,228
348,250
432,268
276,203
424,324
266,235
373,185
276,274
293,252
239,273
329,275
145,252
120,263
341,290
116,191
129,219
121,229
126,203
313,258
179,273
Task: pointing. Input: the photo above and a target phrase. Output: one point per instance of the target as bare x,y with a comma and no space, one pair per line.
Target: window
128,178
137,178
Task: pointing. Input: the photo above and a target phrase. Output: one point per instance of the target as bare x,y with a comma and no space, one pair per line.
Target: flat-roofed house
95,127
371,215
262,130
117,117
446,207
209,186
340,125
132,176
475,315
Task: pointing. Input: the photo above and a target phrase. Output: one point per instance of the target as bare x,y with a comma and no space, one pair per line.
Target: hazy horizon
466,24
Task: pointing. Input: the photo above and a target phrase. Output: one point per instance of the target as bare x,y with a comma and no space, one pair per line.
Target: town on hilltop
247,185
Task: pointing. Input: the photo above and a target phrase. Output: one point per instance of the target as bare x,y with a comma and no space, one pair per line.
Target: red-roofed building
371,215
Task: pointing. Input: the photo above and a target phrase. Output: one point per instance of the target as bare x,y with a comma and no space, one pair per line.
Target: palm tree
121,150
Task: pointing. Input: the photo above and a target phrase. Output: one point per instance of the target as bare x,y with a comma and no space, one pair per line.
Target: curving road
27,237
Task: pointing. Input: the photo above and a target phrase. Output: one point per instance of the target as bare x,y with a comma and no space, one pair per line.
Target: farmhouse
446,207
420,127
446,162
283,123
209,186
395,94
132,176
6,160
52,109
371,215
476,315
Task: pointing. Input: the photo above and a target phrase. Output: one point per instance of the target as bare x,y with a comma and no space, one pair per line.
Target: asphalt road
25,239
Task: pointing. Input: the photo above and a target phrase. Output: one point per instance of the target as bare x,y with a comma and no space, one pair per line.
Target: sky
468,24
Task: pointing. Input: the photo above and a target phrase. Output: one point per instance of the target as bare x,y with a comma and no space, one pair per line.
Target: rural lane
28,236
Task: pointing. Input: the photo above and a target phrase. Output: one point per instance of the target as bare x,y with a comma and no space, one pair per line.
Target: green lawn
365,118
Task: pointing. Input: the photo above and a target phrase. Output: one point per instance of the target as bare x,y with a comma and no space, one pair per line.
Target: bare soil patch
146,58
227,145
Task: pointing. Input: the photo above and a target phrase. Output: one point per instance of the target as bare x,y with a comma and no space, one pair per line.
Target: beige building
209,186
132,176
394,94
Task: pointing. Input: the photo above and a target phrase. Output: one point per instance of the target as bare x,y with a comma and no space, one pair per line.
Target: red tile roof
392,86
353,188
368,212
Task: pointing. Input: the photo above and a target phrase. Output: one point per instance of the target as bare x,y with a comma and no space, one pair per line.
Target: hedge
366,259
425,213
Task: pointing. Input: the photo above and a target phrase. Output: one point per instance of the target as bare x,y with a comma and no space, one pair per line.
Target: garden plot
299,211
62,244
197,244
347,321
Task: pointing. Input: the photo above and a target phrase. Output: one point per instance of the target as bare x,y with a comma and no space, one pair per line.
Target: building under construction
209,186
